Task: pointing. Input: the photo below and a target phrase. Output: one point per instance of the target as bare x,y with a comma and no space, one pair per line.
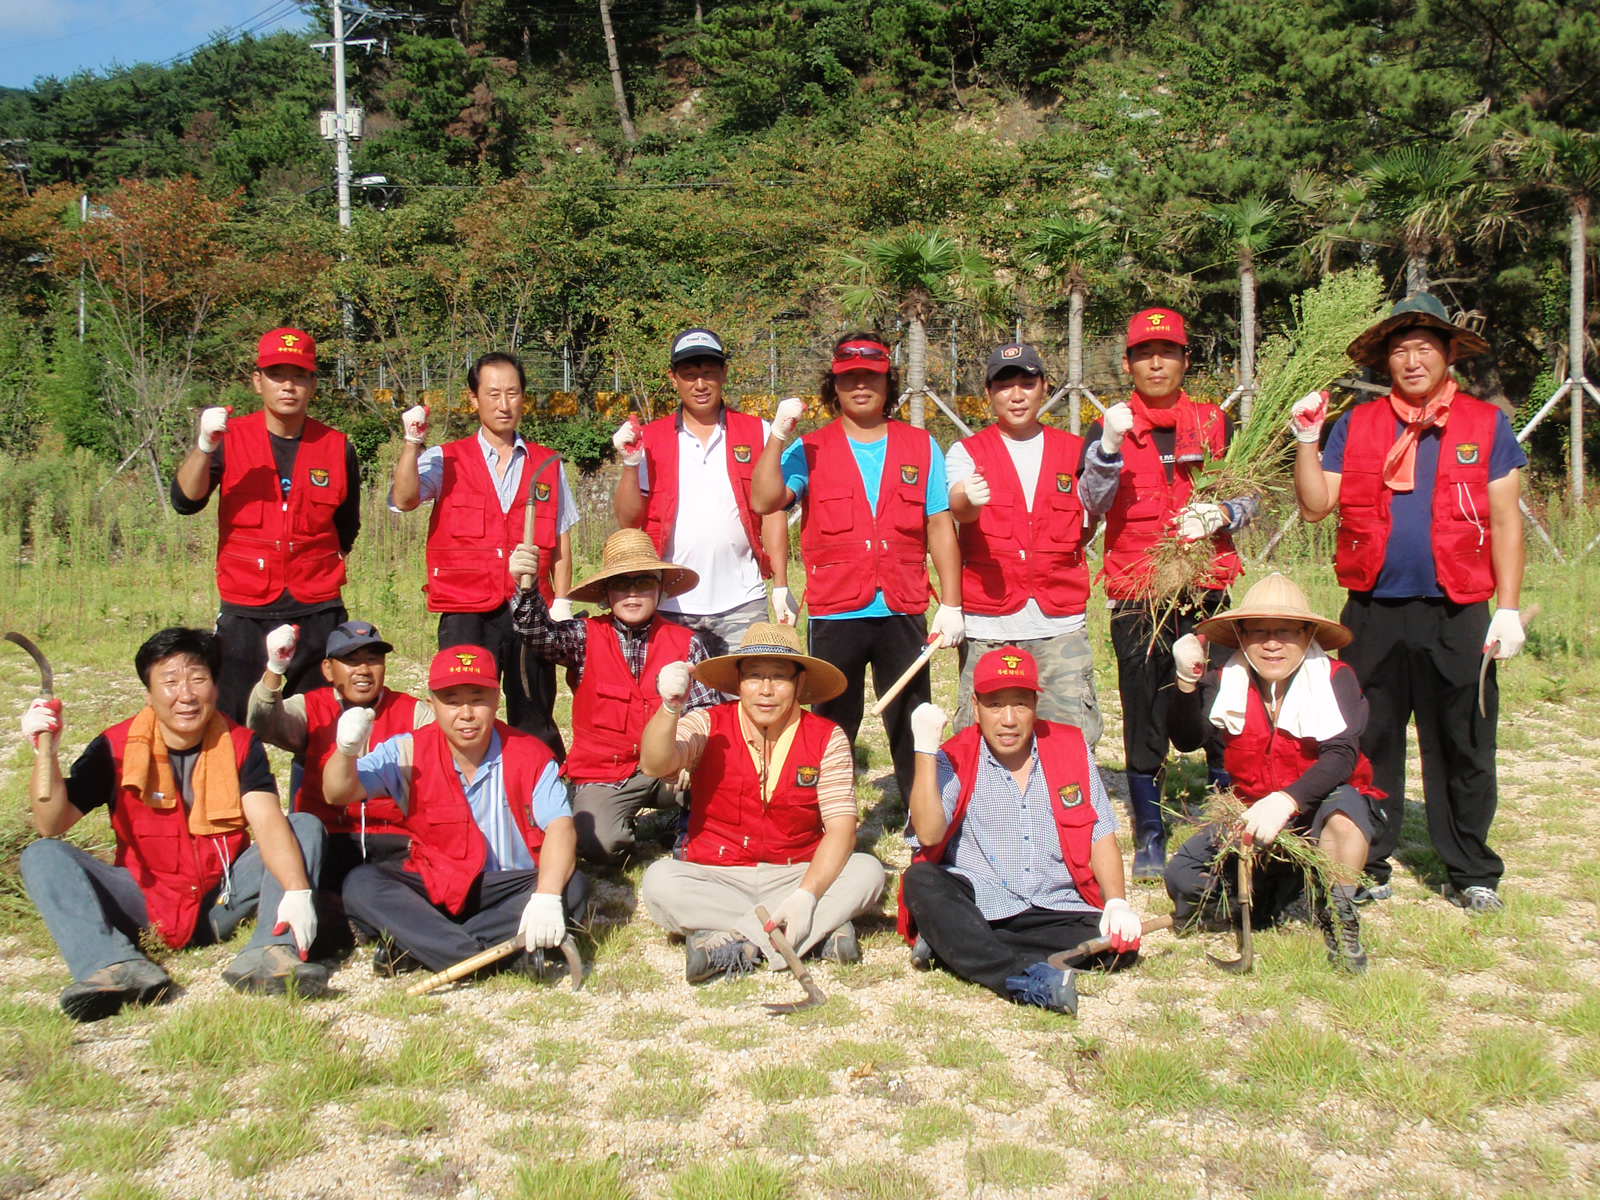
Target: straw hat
821,681
1275,596
631,552
1421,311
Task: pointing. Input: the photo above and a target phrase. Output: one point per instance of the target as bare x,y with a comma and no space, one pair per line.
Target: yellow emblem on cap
1156,318
466,660
1011,661
289,340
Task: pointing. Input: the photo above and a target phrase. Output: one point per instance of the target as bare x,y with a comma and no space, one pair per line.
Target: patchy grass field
1465,1064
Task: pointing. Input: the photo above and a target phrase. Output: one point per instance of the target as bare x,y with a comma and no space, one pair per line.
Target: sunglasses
876,353
633,583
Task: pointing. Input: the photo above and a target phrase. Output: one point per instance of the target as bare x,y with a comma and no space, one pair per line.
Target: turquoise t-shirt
869,461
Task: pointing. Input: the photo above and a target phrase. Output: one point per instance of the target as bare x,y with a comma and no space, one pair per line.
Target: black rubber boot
1149,831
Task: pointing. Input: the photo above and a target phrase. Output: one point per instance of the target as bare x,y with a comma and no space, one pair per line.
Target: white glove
949,621
977,490
561,609
213,424
1188,661
790,410
280,648
415,423
785,608
1264,820
1506,634
543,923
673,684
43,716
628,442
1196,521
1121,924
795,914
927,728
1114,427
353,729
1307,416
298,915
524,562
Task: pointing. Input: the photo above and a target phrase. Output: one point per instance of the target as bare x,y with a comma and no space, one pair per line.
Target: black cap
697,343
1013,356
353,636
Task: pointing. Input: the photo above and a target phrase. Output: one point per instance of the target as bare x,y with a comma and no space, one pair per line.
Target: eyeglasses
633,583
876,353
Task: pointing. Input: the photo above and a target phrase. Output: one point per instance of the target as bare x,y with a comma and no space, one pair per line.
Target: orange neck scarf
214,783
1180,416
1400,464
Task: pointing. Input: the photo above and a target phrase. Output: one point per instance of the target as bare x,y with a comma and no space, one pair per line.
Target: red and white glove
1188,661
785,608
949,622
795,915
1114,427
927,728
1307,416
414,421
629,442
543,922
1506,634
42,717
298,914
673,684
1196,521
790,410
1122,925
281,643
353,730
1264,820
213,425
977,489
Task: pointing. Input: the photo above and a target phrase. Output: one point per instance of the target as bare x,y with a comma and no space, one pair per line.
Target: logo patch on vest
1467,453
1064,483
807,776
541,492
319,477
1070,795
741,454
908,473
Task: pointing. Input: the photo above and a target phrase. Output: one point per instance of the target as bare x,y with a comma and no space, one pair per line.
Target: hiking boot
1336,916
714,953
274,970
922,955
1046,987
1377,891
841,945
110,989
1477,898
1150,859
390,959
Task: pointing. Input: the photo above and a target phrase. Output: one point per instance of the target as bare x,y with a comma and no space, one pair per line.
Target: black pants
244,654
392,901
1144,676
888,645
531,710
1421,657
991,952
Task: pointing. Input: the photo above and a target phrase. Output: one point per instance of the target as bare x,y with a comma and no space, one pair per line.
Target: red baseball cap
1157,324
863,354
1009,666
462,664
287,345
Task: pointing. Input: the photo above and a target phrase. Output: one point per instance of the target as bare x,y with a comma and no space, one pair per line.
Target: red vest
851,552
396,713
610,707
742,439
266,543
729,826
1064,758
447,848
1263,759
1461,537
1147,501
470,539
1009,553
176,870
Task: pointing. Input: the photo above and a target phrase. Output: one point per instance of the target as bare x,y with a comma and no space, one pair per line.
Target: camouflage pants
1066,677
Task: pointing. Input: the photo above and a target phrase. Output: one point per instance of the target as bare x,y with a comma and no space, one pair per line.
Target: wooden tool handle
780,940
1100,945
527,581
466,966
936,642
43,777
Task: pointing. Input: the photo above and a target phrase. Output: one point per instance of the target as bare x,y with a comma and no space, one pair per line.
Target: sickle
527,536
47,678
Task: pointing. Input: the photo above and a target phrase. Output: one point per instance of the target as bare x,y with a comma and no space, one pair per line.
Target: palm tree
1431,192
1066,249
1249,226
917,273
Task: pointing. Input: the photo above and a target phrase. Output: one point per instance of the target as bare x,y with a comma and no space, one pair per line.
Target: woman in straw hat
772,813
616,659
1287,720
1427,483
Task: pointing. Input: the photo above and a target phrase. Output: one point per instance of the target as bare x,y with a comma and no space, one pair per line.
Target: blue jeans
96,911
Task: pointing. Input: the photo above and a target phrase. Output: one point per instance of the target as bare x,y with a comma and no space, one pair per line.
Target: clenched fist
415,423
1307,416
785,608
1200,520
927,728
790,410
673,685
1114,427
281,643
977,490
524,563
629,442
213,425
42,717
353,730
1189,661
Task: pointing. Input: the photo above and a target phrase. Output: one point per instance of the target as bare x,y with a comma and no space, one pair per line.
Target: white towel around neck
1310,710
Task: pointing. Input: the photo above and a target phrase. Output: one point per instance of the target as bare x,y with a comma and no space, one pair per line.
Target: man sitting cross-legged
1017,853
492,843
772,812
185,789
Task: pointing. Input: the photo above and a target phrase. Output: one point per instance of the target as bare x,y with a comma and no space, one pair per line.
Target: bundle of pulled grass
1224,813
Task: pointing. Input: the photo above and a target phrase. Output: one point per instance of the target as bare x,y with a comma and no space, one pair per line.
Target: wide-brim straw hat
765,639
1421,311
1276,596
631,552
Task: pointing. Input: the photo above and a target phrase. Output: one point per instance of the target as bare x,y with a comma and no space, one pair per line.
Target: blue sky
60,37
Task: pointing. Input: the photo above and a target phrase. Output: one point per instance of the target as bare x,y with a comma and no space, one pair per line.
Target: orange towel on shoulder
214,783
